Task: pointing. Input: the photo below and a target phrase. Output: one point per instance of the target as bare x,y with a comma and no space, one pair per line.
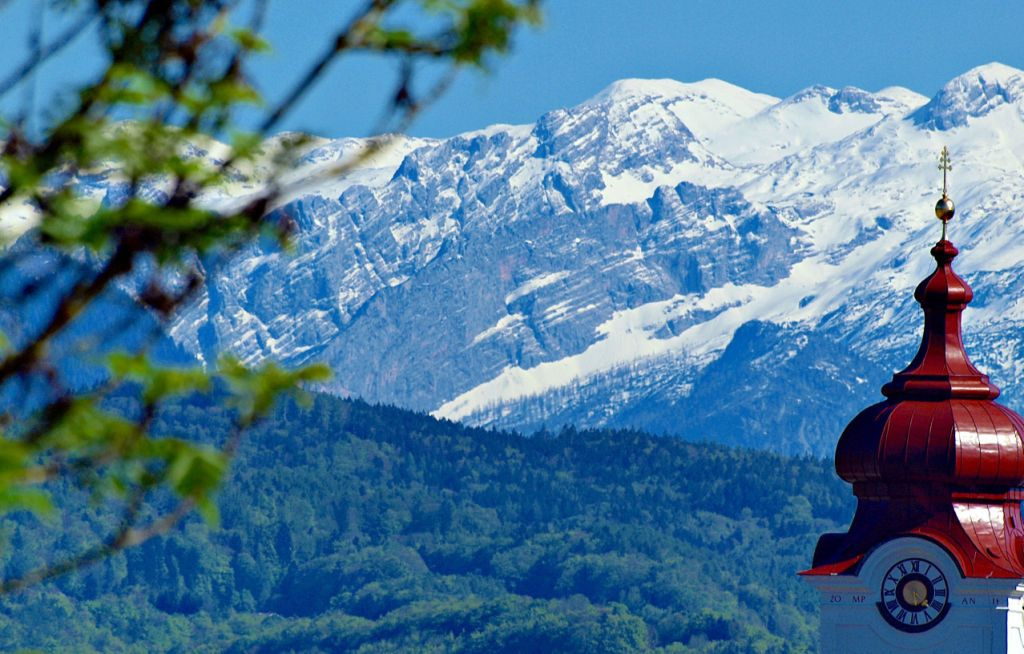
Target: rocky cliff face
691,258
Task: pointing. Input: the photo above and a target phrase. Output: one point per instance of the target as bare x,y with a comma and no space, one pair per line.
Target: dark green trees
347,527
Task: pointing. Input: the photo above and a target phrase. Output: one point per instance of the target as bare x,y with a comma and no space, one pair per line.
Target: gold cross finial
945,167
944,208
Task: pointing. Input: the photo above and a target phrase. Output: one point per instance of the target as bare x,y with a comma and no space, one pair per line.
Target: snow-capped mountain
972,95
813,116
689,258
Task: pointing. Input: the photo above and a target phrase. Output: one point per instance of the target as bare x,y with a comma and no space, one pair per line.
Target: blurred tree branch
178,74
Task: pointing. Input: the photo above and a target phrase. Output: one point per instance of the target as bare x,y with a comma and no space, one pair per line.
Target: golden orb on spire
944,208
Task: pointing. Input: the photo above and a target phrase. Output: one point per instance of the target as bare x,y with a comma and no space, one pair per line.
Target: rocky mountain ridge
691,258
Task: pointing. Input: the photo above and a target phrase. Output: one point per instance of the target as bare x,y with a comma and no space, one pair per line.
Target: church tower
934,558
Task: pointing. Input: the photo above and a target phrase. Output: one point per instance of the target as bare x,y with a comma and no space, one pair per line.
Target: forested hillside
349,527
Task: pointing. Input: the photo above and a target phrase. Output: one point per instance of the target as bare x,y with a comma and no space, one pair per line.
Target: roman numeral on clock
914,595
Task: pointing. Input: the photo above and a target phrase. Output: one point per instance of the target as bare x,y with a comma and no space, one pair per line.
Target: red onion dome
939,423
938,459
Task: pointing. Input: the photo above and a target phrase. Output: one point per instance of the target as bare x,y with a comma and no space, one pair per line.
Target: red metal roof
939,458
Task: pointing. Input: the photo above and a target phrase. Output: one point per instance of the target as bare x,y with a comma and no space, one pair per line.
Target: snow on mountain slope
903,96
632,137
705,107
17,217
855,201
309,169
814,116
972,95
640,258
314,172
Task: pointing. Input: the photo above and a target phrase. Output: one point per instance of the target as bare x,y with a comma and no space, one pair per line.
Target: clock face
915,595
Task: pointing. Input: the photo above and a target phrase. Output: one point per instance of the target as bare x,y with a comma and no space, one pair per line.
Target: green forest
346,527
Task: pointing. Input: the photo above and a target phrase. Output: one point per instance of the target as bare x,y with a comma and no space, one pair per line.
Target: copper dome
938,459
939,423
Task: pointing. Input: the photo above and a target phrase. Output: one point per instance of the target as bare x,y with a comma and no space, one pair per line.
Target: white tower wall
985,616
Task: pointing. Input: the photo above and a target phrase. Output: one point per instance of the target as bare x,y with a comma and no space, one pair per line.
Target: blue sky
776,47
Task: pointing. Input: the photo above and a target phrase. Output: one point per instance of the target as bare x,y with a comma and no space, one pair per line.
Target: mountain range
688,258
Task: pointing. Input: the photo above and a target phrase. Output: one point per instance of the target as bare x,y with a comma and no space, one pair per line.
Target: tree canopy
349,527
86,292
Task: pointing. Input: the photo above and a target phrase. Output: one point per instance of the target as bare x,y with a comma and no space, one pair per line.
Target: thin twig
42,55
127,535
342,41
119,263
376,144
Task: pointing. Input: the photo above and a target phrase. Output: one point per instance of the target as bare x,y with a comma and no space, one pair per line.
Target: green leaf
14,498
158,383
254,390
209,511
195,471
250,41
